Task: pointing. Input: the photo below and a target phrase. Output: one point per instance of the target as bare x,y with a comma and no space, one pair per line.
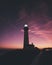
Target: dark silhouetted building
26,38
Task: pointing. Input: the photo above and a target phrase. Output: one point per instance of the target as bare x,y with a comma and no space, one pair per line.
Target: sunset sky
14,14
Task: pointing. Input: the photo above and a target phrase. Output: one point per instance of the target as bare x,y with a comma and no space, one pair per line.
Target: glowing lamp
25,25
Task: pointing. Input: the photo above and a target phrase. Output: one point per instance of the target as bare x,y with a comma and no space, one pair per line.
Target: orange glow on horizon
20,46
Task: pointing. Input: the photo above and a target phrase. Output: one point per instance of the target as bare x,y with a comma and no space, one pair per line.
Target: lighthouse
26,38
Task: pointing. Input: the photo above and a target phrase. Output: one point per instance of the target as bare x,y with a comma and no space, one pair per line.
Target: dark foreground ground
17,57
26,57
43,58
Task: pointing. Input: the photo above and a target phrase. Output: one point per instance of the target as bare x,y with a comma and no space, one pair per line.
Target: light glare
25,25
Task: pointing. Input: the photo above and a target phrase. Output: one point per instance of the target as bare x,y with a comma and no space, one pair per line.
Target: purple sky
37,14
